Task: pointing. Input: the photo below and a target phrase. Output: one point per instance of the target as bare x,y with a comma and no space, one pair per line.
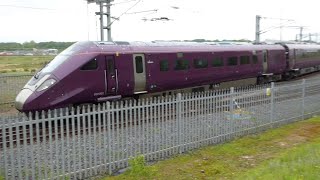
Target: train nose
22,98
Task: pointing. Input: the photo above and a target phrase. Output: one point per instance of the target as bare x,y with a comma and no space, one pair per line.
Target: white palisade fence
83,142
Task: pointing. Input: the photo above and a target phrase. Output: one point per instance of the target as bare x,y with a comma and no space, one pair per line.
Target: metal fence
10,85
83,142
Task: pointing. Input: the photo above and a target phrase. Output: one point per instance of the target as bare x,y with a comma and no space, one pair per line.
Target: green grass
22,64
139,170
17,65
2,175
301,162
293,148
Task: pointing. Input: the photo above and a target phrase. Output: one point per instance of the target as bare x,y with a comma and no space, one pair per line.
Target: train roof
145,47
303,46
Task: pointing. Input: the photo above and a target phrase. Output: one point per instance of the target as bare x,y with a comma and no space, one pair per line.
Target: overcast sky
75,20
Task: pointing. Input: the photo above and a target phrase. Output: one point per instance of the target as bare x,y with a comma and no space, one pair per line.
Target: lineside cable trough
239,113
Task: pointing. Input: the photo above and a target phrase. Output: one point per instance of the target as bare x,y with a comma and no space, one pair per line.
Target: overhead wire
138,12
123,2
124,13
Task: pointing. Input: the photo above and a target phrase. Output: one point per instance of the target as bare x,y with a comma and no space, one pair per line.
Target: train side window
265,56
181,64
217,62
179,55
233,61
254,59
164,65
244,60
139,64
91,65
200,63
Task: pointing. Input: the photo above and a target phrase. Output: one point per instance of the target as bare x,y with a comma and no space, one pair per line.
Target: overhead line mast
102,3
259,31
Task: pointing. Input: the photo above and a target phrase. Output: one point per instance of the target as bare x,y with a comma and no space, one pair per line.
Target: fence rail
83,142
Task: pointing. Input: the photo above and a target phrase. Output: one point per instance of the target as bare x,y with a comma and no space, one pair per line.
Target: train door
265,61
111,76
139,73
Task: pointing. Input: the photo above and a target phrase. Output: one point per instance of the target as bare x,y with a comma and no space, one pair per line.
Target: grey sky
74,20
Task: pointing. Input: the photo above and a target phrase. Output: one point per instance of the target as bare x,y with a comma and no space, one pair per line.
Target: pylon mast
102,4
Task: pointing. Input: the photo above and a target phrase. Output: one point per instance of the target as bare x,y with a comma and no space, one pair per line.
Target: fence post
303,96
272,104
231,102
108,122
179,109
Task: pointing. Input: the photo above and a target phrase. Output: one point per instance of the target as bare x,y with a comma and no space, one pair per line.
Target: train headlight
45,85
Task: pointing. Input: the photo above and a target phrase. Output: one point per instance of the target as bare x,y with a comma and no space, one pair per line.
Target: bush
138,168
26,69
33,70
3,71
14,70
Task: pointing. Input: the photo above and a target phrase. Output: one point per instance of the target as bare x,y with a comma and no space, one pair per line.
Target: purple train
91,72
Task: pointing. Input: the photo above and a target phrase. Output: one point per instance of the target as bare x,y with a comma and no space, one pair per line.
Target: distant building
52,51
6,53
45,52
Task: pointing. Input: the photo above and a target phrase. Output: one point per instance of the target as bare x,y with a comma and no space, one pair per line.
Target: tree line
13,46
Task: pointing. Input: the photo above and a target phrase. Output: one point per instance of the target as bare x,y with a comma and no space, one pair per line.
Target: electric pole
101,21
259,31
108,27
102,4
257,40
301,30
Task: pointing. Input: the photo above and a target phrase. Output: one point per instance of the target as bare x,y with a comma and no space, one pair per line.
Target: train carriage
303,59
91,72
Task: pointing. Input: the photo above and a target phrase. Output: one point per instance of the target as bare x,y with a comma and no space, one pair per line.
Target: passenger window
265,56
200,63
181,65
139,64
180,55
91,65
232,61
164,65
217,62
254,59
244,60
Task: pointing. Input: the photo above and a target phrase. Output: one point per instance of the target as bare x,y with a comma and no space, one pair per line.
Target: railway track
49,129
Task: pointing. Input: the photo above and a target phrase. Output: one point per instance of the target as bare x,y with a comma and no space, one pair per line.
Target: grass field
22,64
289,152
10,85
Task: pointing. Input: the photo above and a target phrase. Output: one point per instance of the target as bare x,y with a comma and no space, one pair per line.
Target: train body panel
124,66
276,61
90,72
